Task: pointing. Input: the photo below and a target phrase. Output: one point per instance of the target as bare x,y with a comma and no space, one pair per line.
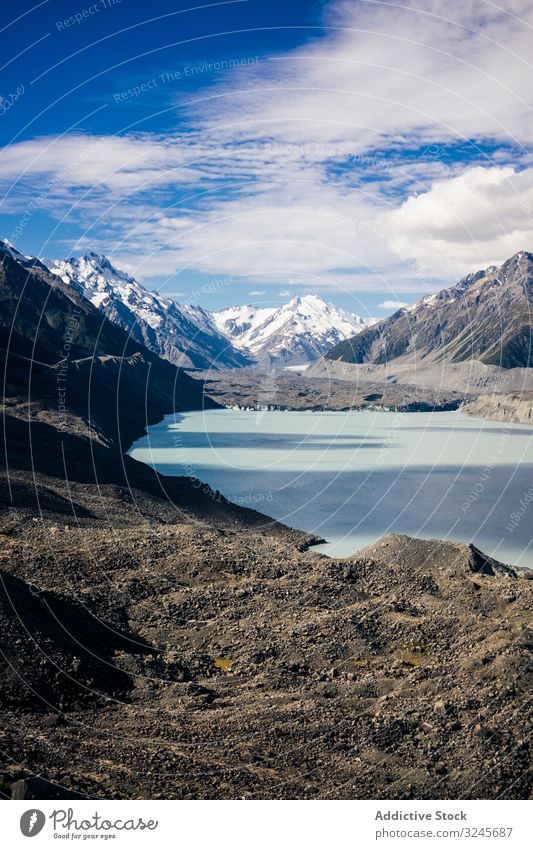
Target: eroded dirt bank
503,407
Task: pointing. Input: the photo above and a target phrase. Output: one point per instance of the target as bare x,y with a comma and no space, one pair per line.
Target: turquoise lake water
353,477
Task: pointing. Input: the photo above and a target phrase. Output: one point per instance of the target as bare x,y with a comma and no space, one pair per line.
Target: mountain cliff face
487,317
294,334
61,351
183,335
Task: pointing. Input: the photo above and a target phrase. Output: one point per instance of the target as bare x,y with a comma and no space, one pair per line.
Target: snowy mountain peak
96,270
184,335
294,334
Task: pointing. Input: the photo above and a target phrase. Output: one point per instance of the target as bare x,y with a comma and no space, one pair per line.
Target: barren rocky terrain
169,658
505,407
252,387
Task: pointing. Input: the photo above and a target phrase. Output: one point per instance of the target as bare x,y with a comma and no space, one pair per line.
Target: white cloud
265,195
284,294
256,293
392,305
124,164
308,234
387,73
479,218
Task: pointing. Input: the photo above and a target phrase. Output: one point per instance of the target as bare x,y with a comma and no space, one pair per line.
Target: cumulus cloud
481,217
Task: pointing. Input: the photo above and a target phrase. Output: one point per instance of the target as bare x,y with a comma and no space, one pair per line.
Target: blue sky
367,151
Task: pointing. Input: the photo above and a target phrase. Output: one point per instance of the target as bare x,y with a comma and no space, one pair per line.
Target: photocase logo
32,822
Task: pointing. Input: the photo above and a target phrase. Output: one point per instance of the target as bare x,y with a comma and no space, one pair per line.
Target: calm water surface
352,477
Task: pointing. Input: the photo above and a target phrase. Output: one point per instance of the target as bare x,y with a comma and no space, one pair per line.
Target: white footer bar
268,825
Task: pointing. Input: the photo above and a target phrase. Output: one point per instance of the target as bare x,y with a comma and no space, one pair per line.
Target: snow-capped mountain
185,335
294,334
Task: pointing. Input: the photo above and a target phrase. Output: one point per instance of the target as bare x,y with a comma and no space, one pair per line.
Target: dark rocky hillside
487,316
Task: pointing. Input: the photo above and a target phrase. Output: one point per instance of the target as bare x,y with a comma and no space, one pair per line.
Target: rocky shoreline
252,389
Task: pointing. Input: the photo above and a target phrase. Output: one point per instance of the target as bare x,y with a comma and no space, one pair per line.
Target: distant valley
159,605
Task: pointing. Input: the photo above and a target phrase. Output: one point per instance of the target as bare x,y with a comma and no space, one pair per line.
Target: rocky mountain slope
59,347
485,318
183,335
294,334
77,391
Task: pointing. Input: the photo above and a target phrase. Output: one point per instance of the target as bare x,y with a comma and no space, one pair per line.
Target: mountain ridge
486,317
190,336
182,335
59,346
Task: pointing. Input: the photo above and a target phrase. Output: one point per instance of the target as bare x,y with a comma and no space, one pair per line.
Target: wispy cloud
391,74
348,162
257,292
392,305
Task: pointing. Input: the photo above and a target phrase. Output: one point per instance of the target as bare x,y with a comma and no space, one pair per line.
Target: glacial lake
353,477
